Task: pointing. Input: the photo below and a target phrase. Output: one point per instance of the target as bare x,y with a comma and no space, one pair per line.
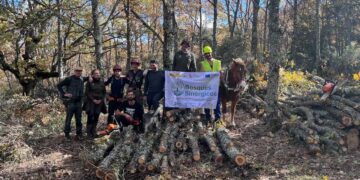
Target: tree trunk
60,44
200,33
169,33
97,36
274,65
128,34
265,28
214,43
254,39
295,30
318,62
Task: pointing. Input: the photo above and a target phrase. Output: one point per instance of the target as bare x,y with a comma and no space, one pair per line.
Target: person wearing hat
135,78
209,64
184,59
154,85
72,95
115,98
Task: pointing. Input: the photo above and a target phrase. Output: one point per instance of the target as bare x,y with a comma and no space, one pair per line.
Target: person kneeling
130,113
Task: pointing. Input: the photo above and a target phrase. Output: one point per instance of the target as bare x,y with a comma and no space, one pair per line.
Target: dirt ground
269,156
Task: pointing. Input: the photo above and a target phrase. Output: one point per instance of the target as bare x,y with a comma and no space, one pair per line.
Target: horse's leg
233,108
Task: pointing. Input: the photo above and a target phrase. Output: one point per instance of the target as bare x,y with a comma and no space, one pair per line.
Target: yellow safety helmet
207,49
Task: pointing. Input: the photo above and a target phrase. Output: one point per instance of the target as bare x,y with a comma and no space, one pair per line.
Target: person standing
135,79
72,94
95,93
209,64
184,59
154,86
115,97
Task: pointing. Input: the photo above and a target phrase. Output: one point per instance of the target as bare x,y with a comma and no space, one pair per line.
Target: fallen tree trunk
104,165
193,141
154,164
228,147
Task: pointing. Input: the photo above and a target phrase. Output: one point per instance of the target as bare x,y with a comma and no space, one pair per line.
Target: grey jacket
184,62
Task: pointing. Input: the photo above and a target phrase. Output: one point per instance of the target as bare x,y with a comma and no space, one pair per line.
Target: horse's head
238,69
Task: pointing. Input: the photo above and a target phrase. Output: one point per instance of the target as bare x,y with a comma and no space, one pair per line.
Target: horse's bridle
226,83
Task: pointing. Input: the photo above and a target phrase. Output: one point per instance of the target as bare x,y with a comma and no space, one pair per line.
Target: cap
186,42
153,62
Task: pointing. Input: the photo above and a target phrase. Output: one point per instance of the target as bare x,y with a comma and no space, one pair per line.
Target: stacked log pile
167,142
324,123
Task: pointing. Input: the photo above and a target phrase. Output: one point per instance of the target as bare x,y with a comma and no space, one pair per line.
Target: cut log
164,165
132,167
352,112
164,138
180,141
104,165
154,164
172,112
210,142
118,165
105,144
142,168
346,101
217,156
172,157
228,147
352,139
348,91
193,141
331,145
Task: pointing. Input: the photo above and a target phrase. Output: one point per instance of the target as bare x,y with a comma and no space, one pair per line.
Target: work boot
219,124
93,132
67,138
79,137
88,130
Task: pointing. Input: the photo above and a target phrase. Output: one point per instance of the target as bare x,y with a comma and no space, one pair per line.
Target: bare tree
169,32
274,65
254,39
97,34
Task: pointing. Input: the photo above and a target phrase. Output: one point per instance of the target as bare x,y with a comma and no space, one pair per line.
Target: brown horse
232,85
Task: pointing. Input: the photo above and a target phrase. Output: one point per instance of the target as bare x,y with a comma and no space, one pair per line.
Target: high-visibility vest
216,67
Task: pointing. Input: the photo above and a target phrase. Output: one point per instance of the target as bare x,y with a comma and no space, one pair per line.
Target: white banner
191,89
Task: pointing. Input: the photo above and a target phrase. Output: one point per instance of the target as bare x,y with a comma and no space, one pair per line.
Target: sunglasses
116,69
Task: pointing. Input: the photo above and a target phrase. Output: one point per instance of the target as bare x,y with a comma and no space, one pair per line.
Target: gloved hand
136,122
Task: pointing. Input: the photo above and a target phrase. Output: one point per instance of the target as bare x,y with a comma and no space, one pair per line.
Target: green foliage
347,63
232,48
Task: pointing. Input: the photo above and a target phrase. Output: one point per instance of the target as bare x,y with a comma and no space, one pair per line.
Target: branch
212,3
147,26
111,14
45,75
6,67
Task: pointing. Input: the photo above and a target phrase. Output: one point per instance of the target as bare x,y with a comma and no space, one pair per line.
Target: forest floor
36,149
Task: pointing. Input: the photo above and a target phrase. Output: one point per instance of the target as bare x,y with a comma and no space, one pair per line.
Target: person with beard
130,112
184,59
154,86
95,93
115,97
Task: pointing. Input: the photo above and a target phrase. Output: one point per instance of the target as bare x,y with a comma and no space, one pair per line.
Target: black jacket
154,82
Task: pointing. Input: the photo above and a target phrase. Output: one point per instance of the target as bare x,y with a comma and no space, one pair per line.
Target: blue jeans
217,112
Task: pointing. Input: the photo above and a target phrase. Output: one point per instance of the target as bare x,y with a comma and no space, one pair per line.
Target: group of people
126,109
